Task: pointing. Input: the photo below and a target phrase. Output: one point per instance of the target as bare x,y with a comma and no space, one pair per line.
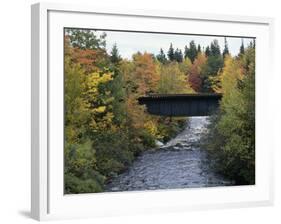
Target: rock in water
158,143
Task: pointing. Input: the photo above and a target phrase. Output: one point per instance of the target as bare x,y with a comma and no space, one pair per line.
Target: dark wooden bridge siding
181,104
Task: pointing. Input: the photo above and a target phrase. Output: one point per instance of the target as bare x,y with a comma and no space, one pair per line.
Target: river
180,163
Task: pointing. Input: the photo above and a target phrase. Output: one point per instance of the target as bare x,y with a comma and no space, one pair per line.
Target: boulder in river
158,143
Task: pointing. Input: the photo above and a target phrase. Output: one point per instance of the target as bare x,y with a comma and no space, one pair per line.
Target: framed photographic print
148,111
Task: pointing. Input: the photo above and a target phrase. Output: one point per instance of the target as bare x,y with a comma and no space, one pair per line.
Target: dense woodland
106,128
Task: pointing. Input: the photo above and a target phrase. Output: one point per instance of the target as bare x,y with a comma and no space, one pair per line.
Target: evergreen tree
215,48
178,55
213,65
185,51
171,53
191,52
161,56
242,49
251,45
198,49
225,50
207,51
114,55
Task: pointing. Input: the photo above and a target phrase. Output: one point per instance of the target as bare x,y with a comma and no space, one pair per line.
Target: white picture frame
47,198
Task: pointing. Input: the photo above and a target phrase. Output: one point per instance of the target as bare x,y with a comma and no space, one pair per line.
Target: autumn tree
88,49
93,118
196,72
173,80
226,80
81,173
185,66
145,73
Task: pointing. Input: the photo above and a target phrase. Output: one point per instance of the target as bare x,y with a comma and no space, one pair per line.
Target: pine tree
161,56
185,51
191,52
213,65
242,49
215,48
114,55
251,45
225,50
171,53
198,49
207,51
178,55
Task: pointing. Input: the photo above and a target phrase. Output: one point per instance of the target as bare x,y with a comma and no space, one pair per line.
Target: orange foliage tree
195,76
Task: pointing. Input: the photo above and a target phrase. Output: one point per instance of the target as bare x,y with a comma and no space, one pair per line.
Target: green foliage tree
161,57
171,53
215,48
85,39
207,51
225,50
213,66
115,58
178,55
199,49
231,139
242,48
191,52
185,52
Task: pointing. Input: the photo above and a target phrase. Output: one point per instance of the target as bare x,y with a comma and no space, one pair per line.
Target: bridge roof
179,96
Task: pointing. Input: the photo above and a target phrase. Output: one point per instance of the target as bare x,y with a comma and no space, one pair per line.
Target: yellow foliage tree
226,81
173,80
